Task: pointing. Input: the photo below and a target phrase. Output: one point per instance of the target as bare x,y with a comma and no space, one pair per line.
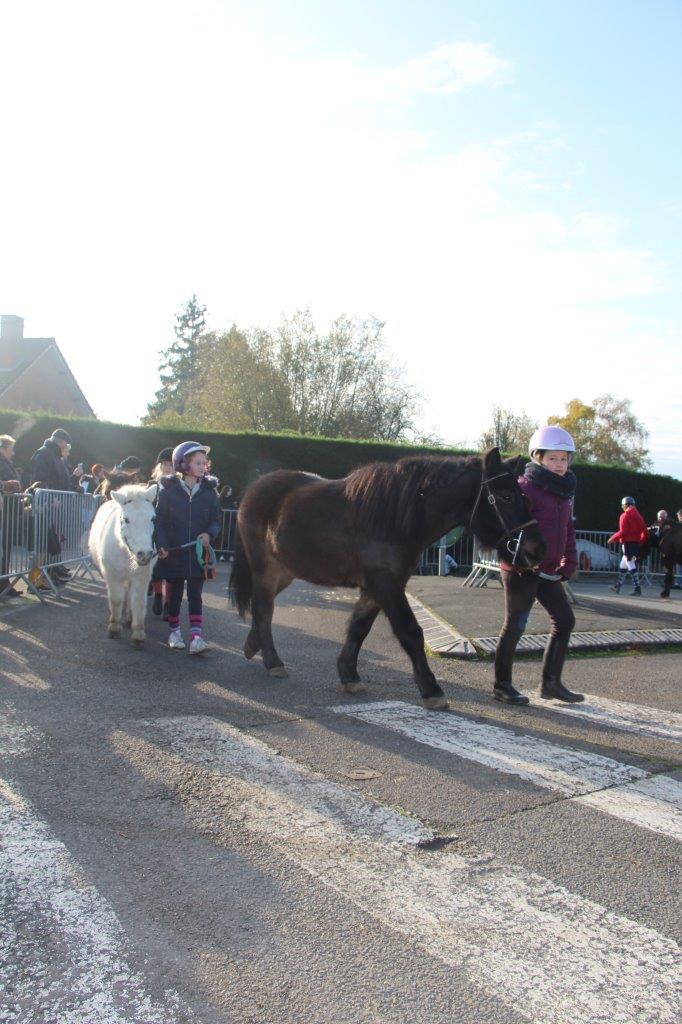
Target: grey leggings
520,592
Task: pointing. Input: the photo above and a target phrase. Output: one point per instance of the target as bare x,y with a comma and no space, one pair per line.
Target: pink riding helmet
551,438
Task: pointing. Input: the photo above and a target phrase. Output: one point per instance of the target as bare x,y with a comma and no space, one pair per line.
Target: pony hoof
278,672
354,687
436,703
137,641
114,632
249,652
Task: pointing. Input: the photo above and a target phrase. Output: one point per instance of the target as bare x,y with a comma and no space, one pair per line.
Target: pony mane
132,491
387,495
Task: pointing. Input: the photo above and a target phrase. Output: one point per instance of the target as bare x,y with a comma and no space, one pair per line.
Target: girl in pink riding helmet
187,511
549,487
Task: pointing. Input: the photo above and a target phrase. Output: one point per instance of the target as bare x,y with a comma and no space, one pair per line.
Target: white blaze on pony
121,545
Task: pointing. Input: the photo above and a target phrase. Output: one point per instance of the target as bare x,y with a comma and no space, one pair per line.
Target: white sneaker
198,645
175,640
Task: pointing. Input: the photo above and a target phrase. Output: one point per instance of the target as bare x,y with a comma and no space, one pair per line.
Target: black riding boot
508,694
554,689
552,667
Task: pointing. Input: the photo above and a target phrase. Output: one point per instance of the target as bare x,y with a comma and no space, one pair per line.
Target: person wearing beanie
48,465
131,466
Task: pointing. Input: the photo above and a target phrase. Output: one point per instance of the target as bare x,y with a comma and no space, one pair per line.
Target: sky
499,181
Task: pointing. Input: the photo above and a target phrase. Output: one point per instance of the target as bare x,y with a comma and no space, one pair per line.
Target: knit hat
60,435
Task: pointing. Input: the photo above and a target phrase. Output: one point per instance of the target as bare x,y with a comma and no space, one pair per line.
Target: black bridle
513,545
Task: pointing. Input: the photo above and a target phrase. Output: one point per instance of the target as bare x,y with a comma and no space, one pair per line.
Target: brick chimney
11,337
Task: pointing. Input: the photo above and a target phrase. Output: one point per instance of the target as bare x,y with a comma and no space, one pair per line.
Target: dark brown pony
670,550
368,530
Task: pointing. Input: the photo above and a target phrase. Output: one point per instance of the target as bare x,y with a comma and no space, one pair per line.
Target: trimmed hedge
240,458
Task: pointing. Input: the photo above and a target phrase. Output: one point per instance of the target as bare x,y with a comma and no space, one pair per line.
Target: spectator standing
132,466
10,483
163,467
48,465
631,534
660,526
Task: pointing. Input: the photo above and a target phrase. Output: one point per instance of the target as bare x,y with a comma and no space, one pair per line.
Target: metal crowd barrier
595,557
225,541
42,530
432,560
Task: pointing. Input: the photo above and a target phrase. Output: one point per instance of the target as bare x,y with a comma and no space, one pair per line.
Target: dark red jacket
555,521
631,527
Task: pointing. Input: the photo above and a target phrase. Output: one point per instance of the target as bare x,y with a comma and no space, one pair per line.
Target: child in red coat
631,533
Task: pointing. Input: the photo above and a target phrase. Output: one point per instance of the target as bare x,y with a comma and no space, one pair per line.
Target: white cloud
188,155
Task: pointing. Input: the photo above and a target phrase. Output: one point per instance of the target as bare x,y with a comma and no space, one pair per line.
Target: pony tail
240,589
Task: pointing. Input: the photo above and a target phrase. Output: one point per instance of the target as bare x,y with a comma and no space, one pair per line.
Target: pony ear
151,492
492,462
117,496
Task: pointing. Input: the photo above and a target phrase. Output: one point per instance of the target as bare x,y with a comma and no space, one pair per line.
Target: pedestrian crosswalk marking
616,714
565,770
548,954
92,981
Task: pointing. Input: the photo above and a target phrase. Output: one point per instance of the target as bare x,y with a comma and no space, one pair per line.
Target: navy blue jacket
180,519
48,468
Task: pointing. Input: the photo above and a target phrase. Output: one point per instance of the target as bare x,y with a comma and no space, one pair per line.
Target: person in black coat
48,465
188,510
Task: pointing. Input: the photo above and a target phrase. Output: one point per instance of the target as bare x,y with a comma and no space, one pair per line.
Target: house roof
32,349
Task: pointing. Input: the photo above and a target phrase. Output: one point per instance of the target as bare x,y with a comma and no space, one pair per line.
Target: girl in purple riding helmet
187,510
549,487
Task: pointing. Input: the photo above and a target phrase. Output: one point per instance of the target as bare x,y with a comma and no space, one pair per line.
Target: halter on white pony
135,520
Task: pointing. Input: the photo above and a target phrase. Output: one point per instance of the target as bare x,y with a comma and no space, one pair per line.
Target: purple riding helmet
183,452
551,438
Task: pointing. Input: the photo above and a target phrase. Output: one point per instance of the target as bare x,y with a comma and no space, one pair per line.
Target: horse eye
507,498
125,519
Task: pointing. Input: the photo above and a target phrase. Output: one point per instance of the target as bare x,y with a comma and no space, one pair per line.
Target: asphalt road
186,839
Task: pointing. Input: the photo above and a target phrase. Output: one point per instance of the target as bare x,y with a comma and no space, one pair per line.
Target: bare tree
509,431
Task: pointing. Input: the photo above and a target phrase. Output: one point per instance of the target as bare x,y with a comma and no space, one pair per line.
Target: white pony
121,545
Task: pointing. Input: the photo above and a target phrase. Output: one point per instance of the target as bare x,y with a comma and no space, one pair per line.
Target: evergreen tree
178,368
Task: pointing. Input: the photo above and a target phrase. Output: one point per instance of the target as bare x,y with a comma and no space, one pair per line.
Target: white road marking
42,894
616,714
552,956
573,773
